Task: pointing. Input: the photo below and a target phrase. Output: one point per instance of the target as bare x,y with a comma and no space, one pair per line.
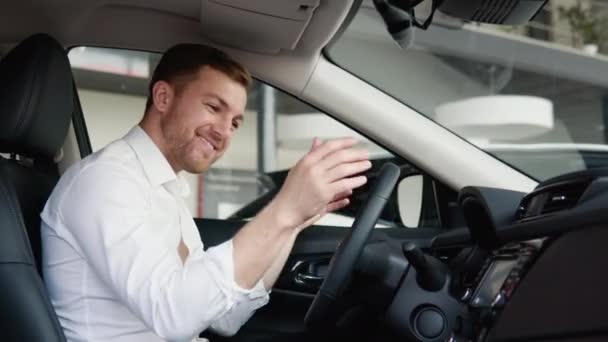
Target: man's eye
212,108
235,124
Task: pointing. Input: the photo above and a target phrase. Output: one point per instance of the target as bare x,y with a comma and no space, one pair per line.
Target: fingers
337,205
347,184
323,180
347,170
339,201
343,157
316,142
342,195
329,147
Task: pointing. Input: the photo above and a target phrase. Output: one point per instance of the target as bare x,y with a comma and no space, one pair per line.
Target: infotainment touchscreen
492,281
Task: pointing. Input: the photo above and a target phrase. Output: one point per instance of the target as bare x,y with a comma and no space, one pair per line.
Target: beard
183,148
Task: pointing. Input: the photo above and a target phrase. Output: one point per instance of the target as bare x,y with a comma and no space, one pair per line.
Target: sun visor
265,26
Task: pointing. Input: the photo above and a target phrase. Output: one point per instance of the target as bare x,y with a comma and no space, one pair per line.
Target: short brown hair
180,64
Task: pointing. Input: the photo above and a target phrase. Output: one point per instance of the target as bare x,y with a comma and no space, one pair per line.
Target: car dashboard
531,267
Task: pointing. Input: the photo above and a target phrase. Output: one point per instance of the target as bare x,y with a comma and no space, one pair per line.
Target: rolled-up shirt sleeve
109,214
246,300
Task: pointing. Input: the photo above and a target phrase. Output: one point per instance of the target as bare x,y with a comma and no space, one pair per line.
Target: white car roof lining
155,25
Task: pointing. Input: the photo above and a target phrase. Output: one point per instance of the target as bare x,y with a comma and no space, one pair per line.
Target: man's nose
227,128
223,128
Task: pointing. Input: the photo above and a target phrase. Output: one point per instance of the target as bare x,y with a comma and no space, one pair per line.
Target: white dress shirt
110,236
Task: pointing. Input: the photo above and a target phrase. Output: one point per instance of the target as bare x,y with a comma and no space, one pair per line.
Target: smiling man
122,257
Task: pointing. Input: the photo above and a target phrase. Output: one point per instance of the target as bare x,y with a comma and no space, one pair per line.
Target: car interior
522,260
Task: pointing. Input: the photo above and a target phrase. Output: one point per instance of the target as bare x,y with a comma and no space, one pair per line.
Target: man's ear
162,96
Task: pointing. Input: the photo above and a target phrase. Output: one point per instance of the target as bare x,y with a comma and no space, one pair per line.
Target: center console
500,275
495,283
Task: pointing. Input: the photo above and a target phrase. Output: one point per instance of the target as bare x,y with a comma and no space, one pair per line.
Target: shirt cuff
224,255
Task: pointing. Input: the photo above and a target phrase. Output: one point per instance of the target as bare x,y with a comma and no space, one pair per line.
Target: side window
277,131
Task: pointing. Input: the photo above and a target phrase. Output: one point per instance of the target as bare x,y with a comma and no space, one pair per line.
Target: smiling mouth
208,143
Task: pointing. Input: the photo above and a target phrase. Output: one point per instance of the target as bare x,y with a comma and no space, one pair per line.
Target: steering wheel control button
429,323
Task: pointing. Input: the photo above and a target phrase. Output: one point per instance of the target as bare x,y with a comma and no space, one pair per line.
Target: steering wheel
324,308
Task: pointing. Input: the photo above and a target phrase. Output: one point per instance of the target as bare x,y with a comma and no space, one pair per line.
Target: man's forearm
276,267
259,245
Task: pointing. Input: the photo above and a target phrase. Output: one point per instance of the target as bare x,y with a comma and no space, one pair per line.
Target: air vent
495,12
563,199
551,199
504,12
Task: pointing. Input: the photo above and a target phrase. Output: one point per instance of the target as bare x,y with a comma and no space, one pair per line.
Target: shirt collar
155,165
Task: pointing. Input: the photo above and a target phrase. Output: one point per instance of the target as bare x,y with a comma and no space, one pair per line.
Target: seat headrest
36,98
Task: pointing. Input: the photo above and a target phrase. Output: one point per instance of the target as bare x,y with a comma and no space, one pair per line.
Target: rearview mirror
409,200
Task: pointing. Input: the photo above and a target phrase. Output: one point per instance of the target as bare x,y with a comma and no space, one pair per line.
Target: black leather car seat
36,105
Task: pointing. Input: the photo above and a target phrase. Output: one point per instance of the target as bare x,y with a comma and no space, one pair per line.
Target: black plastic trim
592,209
80,127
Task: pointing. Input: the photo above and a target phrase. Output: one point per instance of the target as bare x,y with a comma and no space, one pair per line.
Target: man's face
201,120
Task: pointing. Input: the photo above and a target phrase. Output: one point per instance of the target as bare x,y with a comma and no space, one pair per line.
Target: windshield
534,96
